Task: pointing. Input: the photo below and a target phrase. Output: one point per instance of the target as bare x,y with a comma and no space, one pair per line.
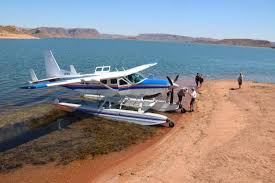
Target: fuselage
122,86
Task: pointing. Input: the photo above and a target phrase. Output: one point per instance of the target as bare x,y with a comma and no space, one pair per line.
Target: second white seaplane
119,95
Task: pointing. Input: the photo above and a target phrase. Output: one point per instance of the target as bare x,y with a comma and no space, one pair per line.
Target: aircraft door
123,86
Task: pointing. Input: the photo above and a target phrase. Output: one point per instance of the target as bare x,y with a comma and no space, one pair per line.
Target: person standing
240,80
193,95
181,93
201,80
197,79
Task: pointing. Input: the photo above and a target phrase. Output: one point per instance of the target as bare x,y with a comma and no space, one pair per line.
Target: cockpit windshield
135,78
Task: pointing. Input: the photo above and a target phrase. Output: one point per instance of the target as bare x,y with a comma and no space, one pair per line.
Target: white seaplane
117,95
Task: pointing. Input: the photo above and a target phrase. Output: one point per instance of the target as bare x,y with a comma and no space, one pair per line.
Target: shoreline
124,39
211,144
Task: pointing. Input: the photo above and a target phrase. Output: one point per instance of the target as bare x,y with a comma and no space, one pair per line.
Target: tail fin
33,76
52,68
72,69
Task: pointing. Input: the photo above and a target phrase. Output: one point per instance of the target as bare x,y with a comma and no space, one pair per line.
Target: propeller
176,78
173,85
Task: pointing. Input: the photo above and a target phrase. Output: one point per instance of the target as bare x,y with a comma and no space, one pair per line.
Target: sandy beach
229,138
16,36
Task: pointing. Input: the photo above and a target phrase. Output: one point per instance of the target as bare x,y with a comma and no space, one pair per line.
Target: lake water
214,61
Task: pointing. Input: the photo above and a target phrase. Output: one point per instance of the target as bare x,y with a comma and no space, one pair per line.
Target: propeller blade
170,81
176,78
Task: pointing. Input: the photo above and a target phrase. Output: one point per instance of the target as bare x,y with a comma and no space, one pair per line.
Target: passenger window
122,82
98,69
113,81
105,68
104,81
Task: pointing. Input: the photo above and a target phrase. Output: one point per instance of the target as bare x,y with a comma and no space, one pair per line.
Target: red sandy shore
229,138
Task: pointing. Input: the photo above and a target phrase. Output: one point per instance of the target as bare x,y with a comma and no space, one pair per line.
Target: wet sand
229,138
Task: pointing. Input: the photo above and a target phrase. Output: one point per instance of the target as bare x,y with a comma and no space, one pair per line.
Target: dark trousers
180,98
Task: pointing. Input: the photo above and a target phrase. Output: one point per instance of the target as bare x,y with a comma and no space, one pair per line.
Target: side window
113,81
98,69
122,82
104,81
106,69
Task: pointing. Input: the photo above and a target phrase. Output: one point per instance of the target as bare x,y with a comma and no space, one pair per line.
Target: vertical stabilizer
52,68
72,69
33,76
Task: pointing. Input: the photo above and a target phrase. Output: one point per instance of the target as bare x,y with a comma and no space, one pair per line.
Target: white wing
126,72
95,78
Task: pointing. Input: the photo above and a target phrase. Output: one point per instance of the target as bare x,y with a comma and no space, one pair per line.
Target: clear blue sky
203,18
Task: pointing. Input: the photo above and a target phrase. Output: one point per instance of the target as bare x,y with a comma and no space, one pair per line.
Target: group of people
199,80
182,93
193,94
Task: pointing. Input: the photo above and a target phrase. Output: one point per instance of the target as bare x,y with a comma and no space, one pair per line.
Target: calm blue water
214,61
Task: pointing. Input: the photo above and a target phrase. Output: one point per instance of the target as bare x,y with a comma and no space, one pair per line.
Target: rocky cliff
58,32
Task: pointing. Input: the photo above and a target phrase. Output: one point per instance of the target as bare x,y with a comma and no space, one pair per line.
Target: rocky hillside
171,37
164,37
12,32
87,33
244,42
58,32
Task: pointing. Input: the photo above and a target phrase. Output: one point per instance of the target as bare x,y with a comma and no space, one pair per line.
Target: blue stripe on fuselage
145,84
155,82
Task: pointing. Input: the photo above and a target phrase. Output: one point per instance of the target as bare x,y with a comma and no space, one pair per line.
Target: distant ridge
91,33
243,42
59,32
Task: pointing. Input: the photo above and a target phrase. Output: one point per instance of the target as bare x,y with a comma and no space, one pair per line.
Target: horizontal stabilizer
33,76
72,69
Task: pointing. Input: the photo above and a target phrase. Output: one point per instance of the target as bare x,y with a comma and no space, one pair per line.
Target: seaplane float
118,95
